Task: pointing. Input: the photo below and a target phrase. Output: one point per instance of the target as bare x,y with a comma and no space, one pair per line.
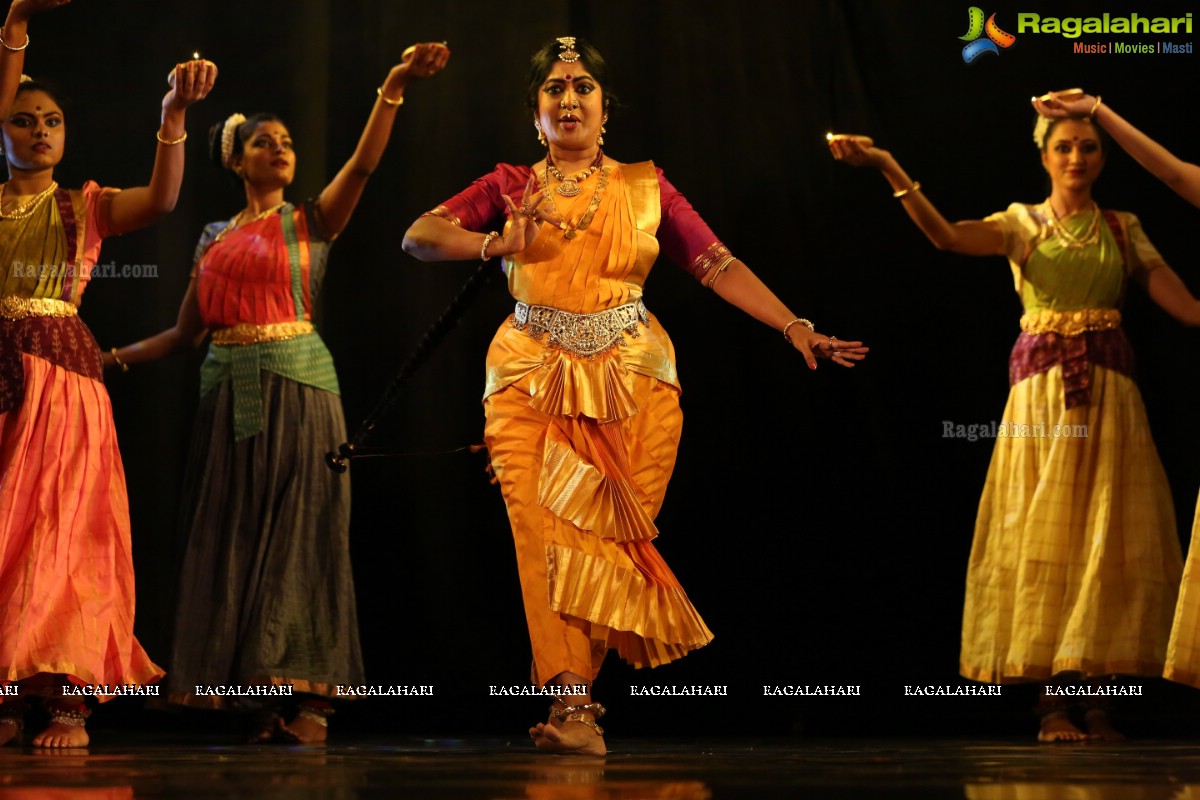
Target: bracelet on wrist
802,321
399,102
916,187
9,47
124,367
483,254
158,135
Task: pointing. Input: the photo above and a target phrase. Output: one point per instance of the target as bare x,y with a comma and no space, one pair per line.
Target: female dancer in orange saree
582,397
66,568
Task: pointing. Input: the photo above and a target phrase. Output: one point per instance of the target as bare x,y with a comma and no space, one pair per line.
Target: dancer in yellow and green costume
1076,560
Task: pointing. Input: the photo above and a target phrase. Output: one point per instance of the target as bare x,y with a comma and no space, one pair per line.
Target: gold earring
541,134
603,130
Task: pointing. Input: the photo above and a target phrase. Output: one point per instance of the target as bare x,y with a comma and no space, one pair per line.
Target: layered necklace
25,210
569,187
239,222
1069,240
571,231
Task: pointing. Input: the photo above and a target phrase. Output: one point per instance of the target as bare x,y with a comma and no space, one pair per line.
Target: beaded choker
569,187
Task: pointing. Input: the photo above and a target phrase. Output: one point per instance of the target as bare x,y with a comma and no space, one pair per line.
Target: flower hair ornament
1040,130
566,44
227,133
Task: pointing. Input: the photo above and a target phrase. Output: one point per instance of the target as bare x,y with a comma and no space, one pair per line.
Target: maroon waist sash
63,341
1036,353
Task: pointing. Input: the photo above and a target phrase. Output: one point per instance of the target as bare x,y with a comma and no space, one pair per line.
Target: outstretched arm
14,38
1169,292
738,285
1182,177
135,208
970,237
188,331
337,202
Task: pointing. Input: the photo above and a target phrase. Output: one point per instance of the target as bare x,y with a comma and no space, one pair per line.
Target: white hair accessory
1040,130
227,134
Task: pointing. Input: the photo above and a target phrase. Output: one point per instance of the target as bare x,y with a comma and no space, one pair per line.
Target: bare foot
1100,728
266,728
10,729
572,738
61,734
1059,728
303,730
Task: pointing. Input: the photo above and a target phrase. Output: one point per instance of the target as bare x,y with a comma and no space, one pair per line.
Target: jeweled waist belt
247,333
1071,323
581,334
16,307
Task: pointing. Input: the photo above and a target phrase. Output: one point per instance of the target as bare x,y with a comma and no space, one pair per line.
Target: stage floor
471,769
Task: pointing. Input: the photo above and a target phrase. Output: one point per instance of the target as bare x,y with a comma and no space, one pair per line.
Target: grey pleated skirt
266,593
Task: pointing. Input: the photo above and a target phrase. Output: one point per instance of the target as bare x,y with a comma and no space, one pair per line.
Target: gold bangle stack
1095,106
399,102
916,187
158,135
724,265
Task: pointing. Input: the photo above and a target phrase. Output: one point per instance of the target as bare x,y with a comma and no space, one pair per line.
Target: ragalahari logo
976,27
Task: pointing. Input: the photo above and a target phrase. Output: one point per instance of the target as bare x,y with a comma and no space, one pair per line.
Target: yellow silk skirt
582,495
1183,650
1076,560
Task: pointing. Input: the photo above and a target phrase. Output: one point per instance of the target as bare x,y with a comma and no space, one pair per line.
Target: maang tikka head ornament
567,45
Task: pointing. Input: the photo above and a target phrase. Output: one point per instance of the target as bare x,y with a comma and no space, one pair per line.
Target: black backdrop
820,521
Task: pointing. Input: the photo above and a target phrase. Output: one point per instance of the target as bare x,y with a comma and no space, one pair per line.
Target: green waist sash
304,359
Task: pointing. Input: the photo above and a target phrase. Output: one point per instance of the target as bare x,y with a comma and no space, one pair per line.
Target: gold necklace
25,210
569,187
571,231
1069,240
238,222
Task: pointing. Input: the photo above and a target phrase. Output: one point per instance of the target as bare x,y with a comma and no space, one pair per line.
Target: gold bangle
724,265
9,47
158,135
1095,105
399,102
124,367
915,187
483,256
802,321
